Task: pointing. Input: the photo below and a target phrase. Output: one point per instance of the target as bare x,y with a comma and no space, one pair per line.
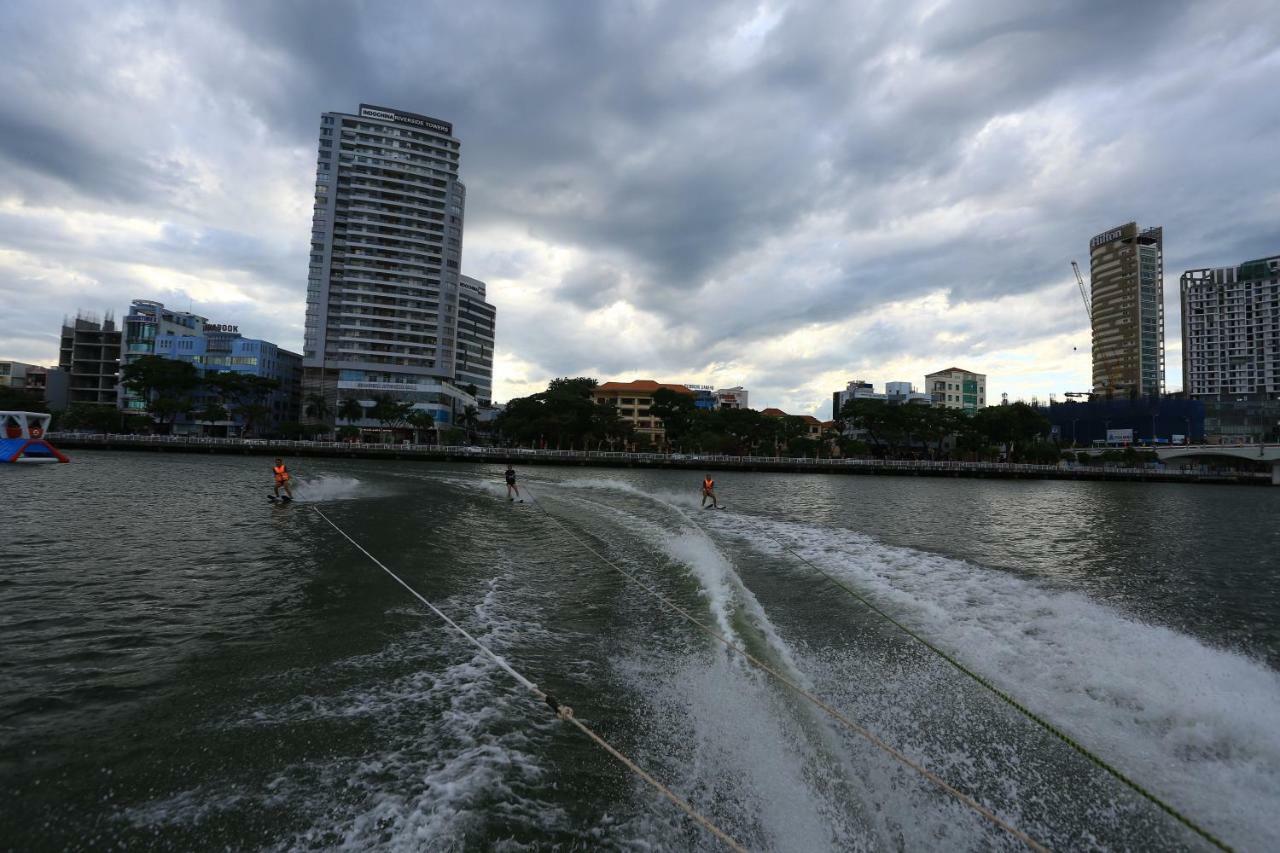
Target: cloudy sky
785,196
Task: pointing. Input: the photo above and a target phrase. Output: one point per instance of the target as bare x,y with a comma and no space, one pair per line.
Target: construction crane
1084,291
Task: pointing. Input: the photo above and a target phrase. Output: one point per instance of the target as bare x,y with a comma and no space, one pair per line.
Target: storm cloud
777,195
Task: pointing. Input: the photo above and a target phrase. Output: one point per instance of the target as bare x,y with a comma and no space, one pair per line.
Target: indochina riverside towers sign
1126,274
413,119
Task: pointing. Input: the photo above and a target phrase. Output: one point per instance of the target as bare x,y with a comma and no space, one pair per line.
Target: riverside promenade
1153,473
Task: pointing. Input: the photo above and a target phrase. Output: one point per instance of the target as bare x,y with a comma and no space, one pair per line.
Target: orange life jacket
281,474
708,484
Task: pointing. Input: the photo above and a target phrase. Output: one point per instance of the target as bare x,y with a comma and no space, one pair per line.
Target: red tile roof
778,413
642,386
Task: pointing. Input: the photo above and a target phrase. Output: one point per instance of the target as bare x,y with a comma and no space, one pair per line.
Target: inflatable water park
22,438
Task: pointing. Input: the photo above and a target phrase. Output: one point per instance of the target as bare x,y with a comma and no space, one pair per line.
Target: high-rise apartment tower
1126,274
477,320
386,247
1231,331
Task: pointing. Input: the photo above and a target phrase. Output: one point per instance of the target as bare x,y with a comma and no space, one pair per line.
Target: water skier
510,476
709,491
282,480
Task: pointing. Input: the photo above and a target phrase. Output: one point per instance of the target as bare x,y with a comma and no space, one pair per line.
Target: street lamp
1074,421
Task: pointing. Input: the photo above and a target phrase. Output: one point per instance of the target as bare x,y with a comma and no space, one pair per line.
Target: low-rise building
732,398
223,349
956,388
813,426
855,390
14,374
147,320
904,393
633,400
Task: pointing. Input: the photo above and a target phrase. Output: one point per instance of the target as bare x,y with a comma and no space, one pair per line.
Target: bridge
1203,453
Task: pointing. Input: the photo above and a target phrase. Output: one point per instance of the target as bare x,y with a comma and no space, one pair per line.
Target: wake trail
1198,725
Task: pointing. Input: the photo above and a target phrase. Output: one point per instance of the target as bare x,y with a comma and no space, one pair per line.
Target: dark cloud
733,172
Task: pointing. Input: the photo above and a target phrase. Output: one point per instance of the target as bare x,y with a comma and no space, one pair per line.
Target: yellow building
633,400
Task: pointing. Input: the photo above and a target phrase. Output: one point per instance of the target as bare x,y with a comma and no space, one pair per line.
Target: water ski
284,499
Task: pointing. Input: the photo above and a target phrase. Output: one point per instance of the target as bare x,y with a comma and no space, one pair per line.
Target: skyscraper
386,247
1126,274
477,321
1231,331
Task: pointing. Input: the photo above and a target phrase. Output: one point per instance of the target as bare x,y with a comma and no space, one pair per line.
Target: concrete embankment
608,459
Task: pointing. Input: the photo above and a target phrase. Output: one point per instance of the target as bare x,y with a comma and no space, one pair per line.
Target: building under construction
1126,273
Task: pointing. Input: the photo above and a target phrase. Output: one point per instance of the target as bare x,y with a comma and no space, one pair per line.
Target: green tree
390,412
563,414
1013,426
678,414
91,416
165,383
869,416
211,412
21,400
244,395
422,423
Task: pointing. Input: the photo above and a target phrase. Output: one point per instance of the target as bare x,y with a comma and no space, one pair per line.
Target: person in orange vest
709,491
282,479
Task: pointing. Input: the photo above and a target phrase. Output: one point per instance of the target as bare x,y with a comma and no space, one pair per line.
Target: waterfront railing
511,454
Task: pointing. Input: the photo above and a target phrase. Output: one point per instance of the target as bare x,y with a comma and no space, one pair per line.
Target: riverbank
611,459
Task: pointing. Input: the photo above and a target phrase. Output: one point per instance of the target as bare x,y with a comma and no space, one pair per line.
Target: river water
186,666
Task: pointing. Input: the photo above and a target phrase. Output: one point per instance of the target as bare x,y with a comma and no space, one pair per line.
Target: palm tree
350,410
470,421
317,407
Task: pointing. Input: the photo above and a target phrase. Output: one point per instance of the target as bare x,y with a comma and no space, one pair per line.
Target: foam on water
720,583
1199,725
458,746
328,488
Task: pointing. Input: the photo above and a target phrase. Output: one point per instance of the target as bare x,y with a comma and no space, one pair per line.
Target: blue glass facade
219,351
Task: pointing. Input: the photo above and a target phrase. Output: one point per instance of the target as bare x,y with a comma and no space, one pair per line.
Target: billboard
1119,436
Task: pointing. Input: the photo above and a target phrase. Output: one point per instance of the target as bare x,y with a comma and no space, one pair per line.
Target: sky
783,196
